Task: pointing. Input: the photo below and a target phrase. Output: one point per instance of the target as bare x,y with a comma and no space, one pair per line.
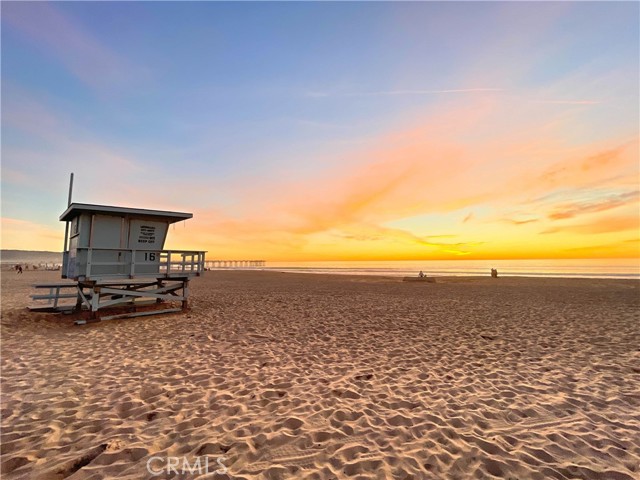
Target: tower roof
76,209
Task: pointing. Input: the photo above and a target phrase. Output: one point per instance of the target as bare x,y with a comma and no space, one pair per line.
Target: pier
234,263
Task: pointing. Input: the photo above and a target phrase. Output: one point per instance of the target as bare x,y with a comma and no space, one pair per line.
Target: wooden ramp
56,292
99,299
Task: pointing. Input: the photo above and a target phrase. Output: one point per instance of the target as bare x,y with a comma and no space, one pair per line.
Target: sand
314,376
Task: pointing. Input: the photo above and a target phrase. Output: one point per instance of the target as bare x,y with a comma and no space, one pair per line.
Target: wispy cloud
514,221
401,92
425,169
578,170
56,34
571,210
605,225
569,102
408,241
58,145
603,250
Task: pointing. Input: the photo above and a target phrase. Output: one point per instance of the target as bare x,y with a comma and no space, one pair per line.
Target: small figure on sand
494,272
18,269
421,274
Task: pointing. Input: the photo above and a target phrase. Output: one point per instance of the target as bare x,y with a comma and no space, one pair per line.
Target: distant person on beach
494,273
19,269
421,274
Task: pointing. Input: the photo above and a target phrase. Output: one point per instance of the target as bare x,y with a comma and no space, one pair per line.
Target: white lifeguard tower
116,258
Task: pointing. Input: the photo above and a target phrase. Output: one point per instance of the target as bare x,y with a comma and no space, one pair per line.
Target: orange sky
518,142
442,188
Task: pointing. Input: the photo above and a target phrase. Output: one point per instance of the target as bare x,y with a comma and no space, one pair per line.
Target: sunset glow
329,131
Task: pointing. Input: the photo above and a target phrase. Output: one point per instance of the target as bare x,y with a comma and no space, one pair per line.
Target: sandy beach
293,376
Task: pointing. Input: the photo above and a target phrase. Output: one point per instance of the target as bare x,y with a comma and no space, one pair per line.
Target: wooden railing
138,263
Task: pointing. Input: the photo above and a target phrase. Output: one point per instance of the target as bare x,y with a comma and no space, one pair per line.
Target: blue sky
217,108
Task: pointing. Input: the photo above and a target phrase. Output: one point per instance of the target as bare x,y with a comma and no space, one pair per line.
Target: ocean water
591,268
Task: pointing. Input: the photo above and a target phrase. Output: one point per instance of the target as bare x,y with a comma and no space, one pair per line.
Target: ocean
591,268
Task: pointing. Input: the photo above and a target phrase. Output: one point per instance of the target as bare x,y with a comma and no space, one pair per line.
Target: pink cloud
57,34
433,167
605,225
569,102
571,210
513,221
399,92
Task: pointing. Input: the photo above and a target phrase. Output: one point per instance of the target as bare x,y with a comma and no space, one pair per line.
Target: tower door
106,232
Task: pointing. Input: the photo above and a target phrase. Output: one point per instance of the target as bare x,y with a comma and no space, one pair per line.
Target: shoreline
444,277
379,273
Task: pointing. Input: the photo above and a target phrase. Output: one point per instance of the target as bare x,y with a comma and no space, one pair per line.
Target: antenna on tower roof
66,228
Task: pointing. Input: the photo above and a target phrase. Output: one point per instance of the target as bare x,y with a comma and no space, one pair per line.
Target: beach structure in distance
422,277
234,263
116,258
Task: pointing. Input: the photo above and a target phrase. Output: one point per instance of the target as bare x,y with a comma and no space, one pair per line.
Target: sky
329,131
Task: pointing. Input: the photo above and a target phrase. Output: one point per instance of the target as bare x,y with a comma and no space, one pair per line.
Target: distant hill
30,256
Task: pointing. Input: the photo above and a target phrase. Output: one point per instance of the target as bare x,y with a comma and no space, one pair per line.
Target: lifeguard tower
116,258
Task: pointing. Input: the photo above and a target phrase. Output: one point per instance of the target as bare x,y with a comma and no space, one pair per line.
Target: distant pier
233,263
